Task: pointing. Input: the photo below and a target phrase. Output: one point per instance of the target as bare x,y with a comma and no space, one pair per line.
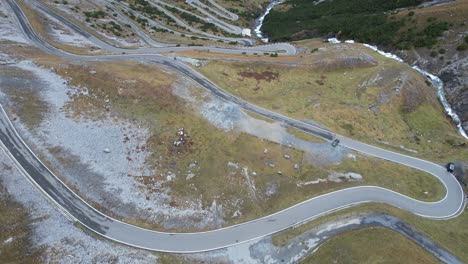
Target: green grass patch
370,245
388,103
303,135
452,234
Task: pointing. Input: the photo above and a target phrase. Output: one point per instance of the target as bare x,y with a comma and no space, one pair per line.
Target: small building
246,32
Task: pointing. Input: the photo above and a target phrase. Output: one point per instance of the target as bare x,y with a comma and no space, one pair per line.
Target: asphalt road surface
76,209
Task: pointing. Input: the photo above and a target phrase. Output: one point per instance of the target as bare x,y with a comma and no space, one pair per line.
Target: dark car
335,142
450,167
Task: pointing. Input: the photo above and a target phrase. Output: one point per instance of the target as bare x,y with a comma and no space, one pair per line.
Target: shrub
462,47
95,14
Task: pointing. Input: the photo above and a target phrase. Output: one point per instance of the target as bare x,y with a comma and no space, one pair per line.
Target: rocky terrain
448,58
453,71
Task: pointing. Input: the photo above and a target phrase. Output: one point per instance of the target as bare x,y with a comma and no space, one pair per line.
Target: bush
95,14
462,47
442,51
411,13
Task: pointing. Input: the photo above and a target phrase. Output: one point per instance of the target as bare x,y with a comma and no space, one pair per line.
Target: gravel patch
65,244
104,158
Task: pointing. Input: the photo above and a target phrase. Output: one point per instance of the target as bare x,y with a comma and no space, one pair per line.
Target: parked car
450,167
335,142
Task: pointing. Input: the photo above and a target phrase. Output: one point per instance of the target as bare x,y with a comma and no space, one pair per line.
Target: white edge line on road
298,223
170,233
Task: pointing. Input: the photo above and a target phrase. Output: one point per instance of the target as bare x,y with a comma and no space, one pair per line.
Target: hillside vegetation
370,245
370,21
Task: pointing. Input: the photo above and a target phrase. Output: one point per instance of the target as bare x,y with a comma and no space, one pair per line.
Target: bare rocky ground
100,158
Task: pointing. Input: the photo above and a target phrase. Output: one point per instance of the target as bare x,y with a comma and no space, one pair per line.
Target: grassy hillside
357,93
15,228
370,245
370,21
451,234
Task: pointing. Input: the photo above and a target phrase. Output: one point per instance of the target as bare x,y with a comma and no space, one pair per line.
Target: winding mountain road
78,210
281,48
